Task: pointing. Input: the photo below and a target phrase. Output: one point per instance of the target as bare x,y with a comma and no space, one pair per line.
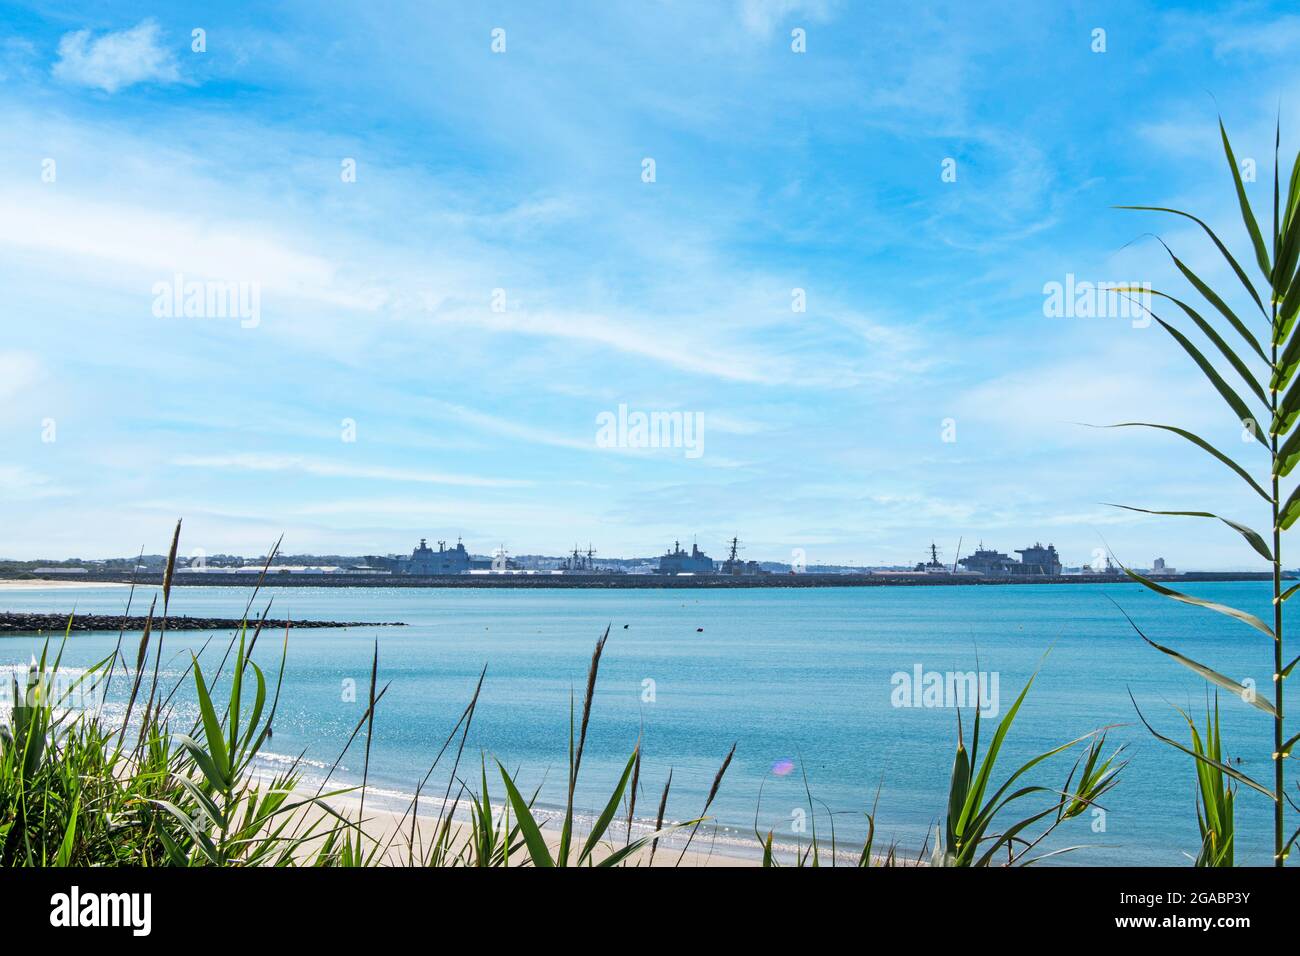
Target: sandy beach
26,584
382,824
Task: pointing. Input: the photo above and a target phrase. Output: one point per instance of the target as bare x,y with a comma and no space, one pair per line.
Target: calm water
801,675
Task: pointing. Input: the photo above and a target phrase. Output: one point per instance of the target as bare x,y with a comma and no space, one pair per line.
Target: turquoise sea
801,680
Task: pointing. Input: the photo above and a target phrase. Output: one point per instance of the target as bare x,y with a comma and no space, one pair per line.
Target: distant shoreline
26,584
21,622
618,581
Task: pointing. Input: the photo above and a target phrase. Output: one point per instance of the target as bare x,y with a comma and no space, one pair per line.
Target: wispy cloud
684,351
23,484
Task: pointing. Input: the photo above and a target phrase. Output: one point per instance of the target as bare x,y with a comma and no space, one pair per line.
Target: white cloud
762,16
115,61
332,469
18,371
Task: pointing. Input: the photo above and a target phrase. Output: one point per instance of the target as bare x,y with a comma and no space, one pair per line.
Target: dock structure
616,581
457,567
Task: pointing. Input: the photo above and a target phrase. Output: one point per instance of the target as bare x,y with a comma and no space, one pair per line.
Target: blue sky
522,171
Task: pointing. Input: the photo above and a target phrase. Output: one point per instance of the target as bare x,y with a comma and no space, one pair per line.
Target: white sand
382,823
42,585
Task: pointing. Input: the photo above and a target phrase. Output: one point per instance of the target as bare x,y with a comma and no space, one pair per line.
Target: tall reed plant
1262,392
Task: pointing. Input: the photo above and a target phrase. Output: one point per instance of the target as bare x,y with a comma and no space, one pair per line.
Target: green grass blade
623,852
607,815
980,784
211,727
64,857
203,761
236,696
533,838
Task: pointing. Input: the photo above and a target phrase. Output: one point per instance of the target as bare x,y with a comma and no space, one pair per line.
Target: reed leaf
1288,409
1202,444
1234,401
1215,300
1243,616
1211,675
1289,510
1214,796
1247,214
1202,757
1253,538
1224,348
1223,250
1288,361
